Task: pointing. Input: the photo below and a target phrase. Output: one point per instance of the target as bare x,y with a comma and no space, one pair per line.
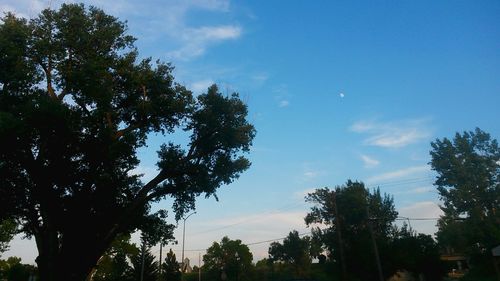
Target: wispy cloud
251,228
420,190
303,193
155,20
392,134
415,170
196,40
284,103
201,86
369,161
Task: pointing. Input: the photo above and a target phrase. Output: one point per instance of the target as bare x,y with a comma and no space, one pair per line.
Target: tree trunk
73,258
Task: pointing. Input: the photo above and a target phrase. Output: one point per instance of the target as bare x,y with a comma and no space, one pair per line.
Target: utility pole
374,242
339,237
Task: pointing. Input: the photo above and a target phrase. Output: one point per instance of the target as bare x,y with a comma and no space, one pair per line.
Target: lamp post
183,239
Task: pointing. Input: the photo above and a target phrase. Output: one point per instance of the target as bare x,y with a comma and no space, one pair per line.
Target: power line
257,217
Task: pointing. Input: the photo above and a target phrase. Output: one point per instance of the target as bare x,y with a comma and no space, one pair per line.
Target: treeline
357,240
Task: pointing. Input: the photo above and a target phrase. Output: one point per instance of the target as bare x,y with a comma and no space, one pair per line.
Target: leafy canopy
468,181
349,212
230,256
76,104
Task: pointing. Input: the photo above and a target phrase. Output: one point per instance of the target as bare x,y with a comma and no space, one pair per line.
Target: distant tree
229,256
295,251
171,268
76,104
143,264
349,212
8,228
468,182
114,264
13,270
416,253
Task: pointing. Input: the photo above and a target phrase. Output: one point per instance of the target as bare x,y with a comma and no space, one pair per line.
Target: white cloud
392,134
166,21
196,40
260,78
369,162
284,103
300,195
399,174
201,86
420,190
425,209
311,174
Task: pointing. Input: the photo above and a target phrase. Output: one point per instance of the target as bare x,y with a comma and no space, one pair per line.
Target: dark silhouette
76,103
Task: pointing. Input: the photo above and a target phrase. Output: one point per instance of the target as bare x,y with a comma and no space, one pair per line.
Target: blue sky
337,90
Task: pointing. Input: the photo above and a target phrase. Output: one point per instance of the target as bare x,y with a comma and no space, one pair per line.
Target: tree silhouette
295,251
468,168
358,226
76,104
171,268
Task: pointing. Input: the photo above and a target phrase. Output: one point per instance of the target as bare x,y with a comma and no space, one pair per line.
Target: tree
231,257
416,253
353,217
13,270
143,264
294,251
76,103
171,268
8,228
114,264
468,182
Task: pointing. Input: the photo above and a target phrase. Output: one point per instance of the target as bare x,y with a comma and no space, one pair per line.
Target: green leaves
75,105
469,184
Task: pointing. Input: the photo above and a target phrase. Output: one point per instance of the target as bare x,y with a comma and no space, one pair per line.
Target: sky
336,90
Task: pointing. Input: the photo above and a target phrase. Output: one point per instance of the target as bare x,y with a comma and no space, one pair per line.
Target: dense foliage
294,251
354,217
230,258
468,168
76,103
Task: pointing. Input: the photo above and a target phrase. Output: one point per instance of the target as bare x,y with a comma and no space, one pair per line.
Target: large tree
229,257
468,181
76,103
354,218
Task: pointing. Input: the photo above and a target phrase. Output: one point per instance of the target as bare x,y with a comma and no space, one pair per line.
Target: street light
183,239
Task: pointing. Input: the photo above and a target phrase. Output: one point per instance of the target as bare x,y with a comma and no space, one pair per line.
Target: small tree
171,268
144,266
295,251
230,257
416,253
8,228
114,264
